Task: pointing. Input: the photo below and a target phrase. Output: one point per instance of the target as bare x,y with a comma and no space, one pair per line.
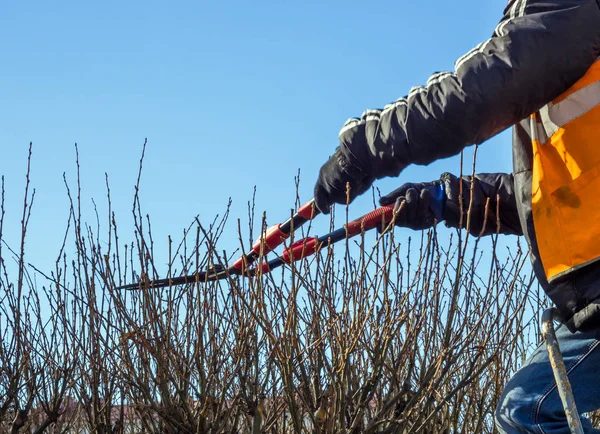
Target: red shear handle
273,237
371,220
308,210
300,249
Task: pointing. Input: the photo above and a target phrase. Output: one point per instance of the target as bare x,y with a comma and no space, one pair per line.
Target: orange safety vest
566,177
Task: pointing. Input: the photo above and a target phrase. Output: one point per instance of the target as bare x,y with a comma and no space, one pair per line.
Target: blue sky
230,95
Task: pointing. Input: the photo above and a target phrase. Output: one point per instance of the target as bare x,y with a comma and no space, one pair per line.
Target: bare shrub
375,336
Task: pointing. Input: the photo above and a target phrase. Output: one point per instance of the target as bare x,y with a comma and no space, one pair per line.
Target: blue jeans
530,401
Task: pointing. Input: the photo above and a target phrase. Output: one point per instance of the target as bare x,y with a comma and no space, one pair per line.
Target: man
539,72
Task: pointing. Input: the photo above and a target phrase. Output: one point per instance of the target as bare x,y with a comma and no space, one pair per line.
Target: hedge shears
272,238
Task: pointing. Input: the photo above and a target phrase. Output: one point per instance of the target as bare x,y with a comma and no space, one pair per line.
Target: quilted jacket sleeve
537,51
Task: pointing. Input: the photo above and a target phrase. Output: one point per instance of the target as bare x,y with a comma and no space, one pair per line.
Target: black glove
339,170
418,206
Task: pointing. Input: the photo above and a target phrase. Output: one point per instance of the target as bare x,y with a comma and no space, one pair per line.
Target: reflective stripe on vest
566,177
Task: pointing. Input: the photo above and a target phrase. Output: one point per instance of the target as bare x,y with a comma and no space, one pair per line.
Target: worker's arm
537,51
491,202
488,204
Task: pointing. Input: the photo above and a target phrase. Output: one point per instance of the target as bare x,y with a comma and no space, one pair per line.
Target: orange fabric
566,189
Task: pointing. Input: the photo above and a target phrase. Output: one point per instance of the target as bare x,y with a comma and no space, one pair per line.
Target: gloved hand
422,204
333,176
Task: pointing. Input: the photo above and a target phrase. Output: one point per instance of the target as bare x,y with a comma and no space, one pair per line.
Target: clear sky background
230,94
